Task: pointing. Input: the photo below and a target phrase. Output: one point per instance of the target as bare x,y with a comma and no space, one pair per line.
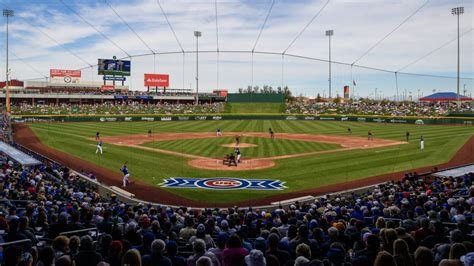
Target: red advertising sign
157,80
64,73
107,88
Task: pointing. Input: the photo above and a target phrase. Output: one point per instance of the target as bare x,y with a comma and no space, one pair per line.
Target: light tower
7,13
197,34
457,11
329,33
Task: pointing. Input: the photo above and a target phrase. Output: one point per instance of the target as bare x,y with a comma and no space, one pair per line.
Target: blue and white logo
223,183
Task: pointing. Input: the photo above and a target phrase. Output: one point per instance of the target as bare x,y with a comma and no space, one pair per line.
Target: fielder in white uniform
99,147
422,143
218,132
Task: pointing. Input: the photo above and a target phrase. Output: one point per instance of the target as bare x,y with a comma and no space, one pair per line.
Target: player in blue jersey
237,152
126,174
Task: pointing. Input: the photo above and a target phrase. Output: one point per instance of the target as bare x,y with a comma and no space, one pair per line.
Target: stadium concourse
50,216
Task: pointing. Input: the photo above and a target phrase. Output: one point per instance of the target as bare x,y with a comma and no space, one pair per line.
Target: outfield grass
300,173
254,108
266,147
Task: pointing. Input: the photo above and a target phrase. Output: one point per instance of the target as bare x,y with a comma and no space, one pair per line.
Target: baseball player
271,133
97,135
237,152
370,136
232,160
349,130
237,140
149,132
218,132
99,147
407,136
126,175
422,143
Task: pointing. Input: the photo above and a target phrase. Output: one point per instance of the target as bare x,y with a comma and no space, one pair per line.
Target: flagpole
353,87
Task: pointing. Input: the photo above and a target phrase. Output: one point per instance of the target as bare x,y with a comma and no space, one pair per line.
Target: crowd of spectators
379,108
355,108
5,127
111,108
414,221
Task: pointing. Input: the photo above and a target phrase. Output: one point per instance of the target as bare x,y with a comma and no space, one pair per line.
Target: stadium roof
444,97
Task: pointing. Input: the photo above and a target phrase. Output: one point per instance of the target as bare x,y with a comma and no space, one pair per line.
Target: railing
15,242
82,232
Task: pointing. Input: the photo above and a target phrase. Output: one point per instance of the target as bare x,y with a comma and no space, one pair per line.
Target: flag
353,82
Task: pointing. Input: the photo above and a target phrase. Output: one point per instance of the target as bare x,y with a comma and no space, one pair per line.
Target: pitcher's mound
241,145
216,164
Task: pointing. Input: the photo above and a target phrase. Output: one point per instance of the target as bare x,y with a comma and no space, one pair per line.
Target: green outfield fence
255,98
201,117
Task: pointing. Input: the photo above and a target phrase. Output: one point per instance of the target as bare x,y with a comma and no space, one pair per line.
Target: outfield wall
256,98
215,117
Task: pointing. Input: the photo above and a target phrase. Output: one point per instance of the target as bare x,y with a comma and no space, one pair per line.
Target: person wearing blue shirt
126,175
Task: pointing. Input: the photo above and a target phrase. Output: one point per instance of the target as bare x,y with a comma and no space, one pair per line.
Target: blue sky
46,34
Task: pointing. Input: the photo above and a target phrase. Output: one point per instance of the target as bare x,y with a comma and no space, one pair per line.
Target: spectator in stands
199,249
187,232
384,259
234,253
156,257
282,255
172,252
131,258
87,255
401,253
457,250
201,234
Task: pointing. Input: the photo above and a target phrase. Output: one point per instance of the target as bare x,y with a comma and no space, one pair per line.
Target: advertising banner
107,88
157,80
65,76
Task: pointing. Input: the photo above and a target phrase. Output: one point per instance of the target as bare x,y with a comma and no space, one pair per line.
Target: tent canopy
444,97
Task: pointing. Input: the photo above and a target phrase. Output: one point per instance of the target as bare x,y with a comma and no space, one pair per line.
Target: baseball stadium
237,133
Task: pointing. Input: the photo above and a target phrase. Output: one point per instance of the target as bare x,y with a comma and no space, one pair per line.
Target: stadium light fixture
457,11
329,33
7,13
197,34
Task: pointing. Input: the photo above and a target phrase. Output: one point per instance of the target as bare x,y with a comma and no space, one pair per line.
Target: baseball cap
201,228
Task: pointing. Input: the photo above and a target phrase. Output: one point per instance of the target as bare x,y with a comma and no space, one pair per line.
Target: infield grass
441,142
266,147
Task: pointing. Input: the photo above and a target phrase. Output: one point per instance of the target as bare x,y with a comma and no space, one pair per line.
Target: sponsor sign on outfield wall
223,183
72,118
157,80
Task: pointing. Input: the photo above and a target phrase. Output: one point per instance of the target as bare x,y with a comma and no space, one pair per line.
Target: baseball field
306,155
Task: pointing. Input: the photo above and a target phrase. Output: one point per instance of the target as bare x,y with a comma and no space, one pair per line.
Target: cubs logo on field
223,183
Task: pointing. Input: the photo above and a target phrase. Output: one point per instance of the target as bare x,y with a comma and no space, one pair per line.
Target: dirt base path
344,141
245,165
25,136
241,145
